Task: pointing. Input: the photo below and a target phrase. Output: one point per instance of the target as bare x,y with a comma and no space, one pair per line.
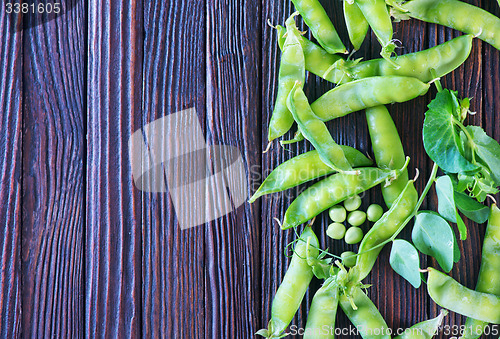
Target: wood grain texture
53,176
173,259
113,230
10,174
233,118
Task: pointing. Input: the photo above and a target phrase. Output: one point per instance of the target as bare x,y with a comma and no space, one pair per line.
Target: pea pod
457,15
333,190
289,296
303,168
320,24
379,19
317,60
366,317
449,294
357,26
365,93
424,330
321,318
292,69
443,59
315,130
387,148
383,230
489,275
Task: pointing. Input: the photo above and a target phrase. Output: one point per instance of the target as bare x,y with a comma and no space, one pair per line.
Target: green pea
353,235
374,212
352,203
336,231
337,213
356,218
348,258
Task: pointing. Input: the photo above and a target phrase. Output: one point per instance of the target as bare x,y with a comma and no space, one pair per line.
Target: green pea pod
315,130
365,93
333,190
320,24
443,59
303,168
289,296
321,318
317,60
379,19
387,148
383,230
489,275
366,317
424,330
292,69
457,15
357,26
449,294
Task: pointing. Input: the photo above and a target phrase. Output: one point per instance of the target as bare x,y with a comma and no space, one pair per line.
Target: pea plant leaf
472,209
441,138
487,149
432,235
456,250
405,261
462,228
446,199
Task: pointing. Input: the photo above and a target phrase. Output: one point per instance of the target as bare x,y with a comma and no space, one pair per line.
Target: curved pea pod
333,190
443,58
322,314
357,26
292,69
449,294
365,93
366,317
387,148
321,26
383,230
379,19
424,330
489,275
303,168
315,130
317,60
289,296
457,15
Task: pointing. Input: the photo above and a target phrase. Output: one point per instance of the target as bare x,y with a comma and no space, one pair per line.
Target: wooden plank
173,259
113,231
233,118
10,173
53,168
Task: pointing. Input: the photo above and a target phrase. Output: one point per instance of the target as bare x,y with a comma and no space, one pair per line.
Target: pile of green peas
346,221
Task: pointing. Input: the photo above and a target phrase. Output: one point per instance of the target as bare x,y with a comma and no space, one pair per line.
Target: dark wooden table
85,253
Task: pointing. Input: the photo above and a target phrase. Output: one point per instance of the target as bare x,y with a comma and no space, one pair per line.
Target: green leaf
441,138
456,250
487,149
432,235
404,260
446,200
462,228
263,332
472,209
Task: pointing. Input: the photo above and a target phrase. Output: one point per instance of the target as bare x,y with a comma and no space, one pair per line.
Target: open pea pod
303,168
424,330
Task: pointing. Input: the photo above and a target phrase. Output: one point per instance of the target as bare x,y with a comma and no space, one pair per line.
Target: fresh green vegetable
303,168
449,294
322,314
353,203
424,330
357,26
370,92
292,69
374,212
336,231
489,275
337,213
353,235
315,130
348,258
356,218
320,24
